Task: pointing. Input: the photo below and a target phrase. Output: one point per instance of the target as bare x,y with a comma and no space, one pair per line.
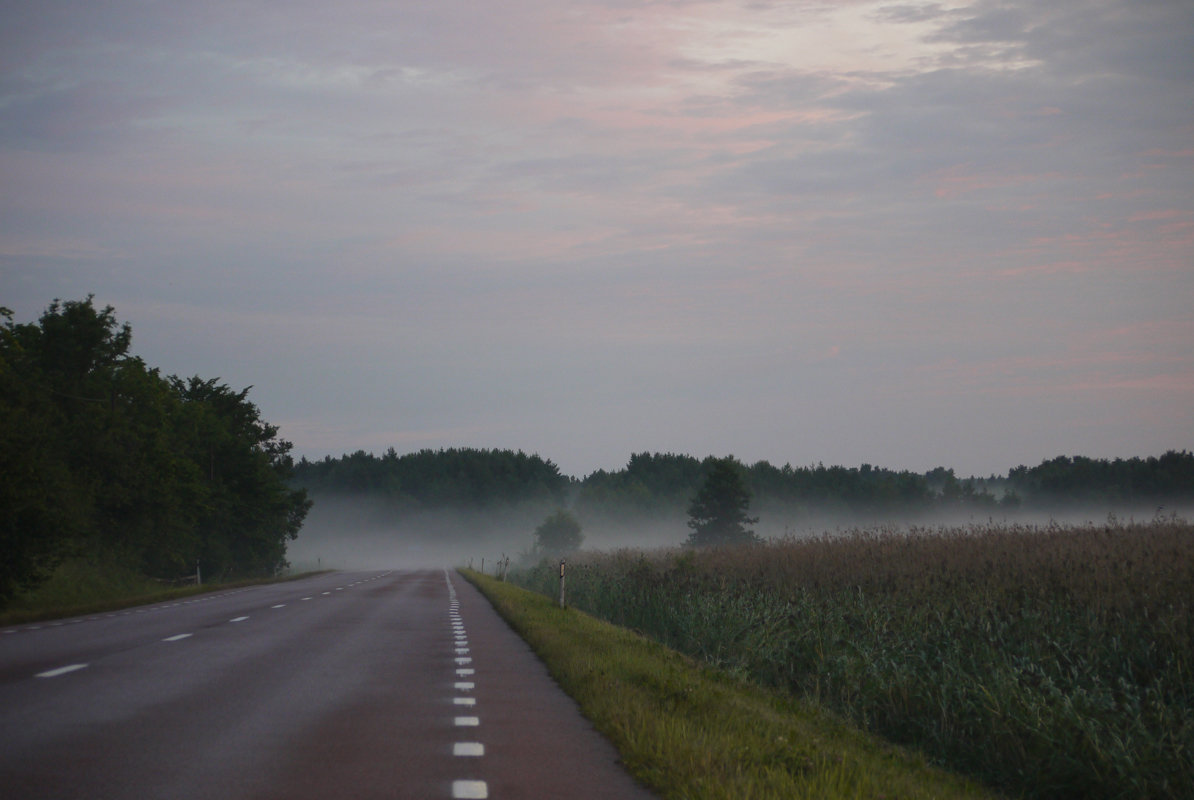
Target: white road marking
464,660
54,673
178,637
468,749
467,722
469,790
465,671
461,651
306,598
464,701
464,686
279,605
238,619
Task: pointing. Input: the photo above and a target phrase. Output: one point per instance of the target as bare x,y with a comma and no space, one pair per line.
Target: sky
897,233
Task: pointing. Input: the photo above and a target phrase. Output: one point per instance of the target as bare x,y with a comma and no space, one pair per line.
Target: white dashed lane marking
176,637
469,790
238,619
468,749
54,673
464,789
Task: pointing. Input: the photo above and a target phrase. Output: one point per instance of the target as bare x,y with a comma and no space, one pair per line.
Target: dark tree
105,459
717,514
558,535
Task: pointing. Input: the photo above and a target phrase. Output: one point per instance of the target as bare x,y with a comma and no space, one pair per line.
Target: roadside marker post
562,582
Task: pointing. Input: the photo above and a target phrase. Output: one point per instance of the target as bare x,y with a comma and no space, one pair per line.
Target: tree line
107,459
457,478
663,484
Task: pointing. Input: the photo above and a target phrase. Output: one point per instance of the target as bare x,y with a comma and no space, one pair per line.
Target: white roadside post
562,582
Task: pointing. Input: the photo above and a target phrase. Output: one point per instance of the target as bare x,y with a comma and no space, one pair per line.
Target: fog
364,533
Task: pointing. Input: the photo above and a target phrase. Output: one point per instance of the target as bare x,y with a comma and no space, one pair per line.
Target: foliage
690,732
106,458
717,515
558,535
655,490
461,478
1132,481
1050,662
660,486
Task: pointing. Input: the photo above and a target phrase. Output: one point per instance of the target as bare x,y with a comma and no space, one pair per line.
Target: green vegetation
687,731
717,515
656,491
78,586
457,478
106,460
1049,662
558,535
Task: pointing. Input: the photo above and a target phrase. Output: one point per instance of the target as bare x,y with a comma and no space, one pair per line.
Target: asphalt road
347,685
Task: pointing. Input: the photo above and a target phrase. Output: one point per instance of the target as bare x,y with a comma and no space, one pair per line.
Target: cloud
598,227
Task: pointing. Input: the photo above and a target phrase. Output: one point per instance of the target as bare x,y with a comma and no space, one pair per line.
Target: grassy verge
1050,663
79,588
688,731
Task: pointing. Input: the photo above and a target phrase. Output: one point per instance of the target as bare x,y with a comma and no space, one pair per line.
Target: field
1046,662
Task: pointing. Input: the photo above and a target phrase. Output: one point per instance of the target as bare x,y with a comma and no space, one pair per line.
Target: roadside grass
1046,662
686,730
79,587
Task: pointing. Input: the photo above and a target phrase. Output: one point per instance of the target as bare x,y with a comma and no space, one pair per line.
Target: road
343,685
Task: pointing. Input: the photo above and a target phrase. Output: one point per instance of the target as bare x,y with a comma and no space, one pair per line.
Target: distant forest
662,485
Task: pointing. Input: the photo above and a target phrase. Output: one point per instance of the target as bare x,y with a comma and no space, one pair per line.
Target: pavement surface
344,685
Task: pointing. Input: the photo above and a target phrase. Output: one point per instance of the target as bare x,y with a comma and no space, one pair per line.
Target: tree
43,508
558,535
249,512
717,514
107,460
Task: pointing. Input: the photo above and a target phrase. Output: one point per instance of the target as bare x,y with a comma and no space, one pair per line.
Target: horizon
812,465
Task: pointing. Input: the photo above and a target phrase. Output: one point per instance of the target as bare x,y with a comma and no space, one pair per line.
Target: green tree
558,535
41,506
248,513
106,459
717,514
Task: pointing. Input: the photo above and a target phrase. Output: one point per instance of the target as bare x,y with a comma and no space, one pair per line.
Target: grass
686,730
1049,662
80,587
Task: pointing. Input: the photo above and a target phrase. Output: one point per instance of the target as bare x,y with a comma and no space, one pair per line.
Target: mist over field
365,533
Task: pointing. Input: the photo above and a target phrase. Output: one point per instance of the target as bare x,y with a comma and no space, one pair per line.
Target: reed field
1048,662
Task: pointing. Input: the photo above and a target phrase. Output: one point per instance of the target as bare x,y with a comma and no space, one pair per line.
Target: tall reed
1051,662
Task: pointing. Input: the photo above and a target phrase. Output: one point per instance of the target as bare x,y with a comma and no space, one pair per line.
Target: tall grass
1050,662
694,733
